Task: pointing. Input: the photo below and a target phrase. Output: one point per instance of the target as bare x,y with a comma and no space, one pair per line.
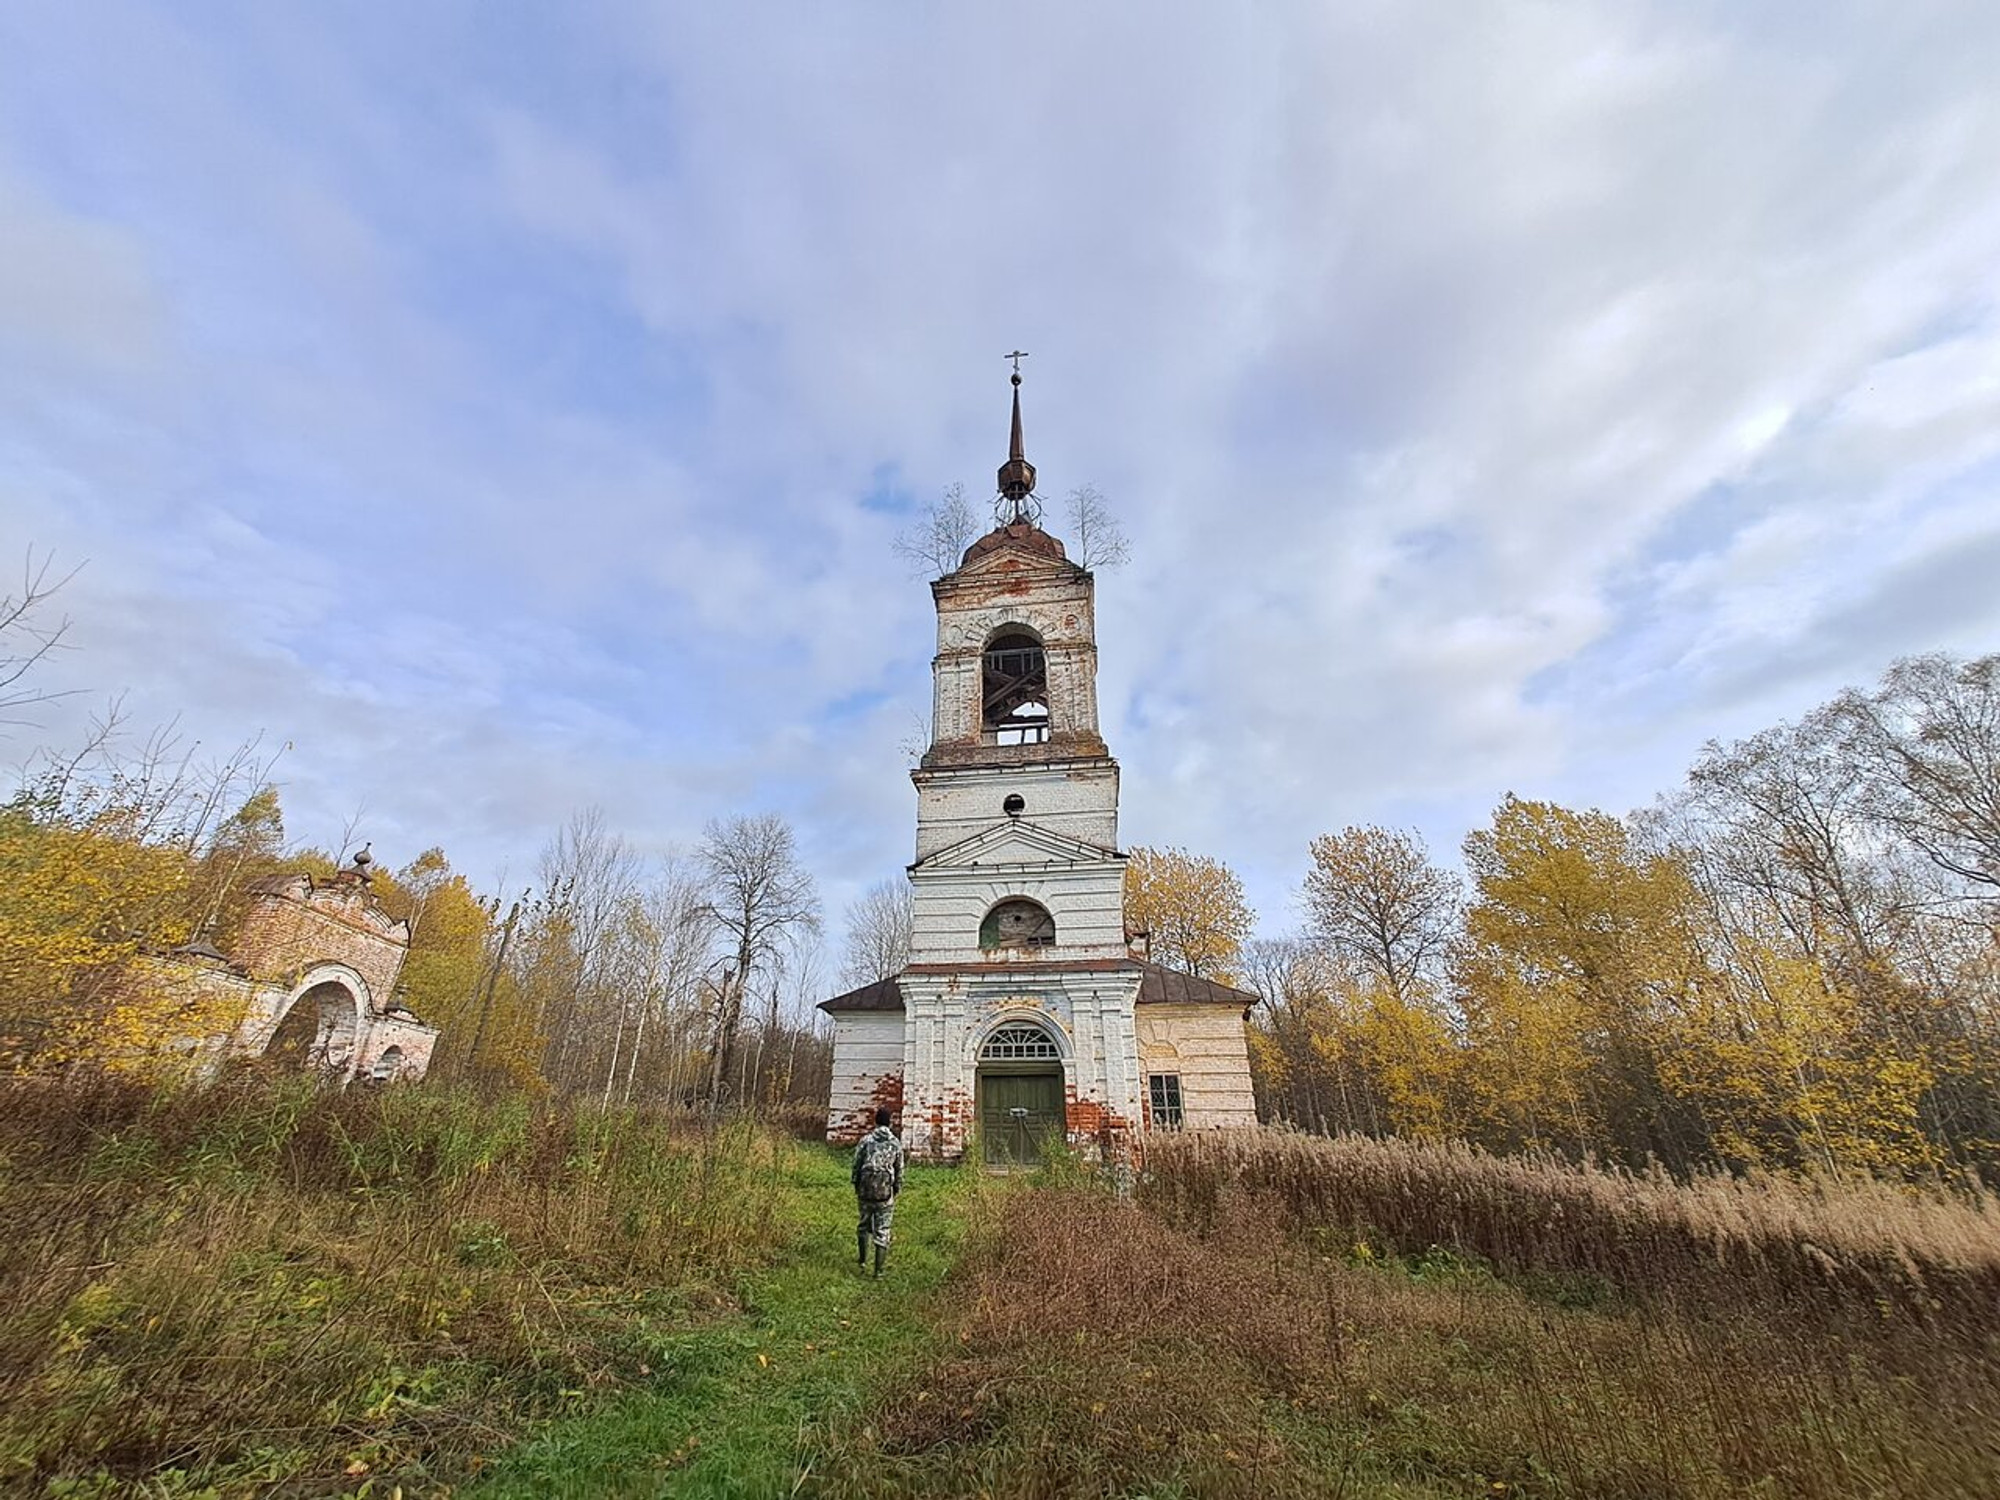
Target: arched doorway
318,1032
388,1067
1018,1094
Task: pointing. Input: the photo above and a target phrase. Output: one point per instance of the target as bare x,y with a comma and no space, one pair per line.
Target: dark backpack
877,1181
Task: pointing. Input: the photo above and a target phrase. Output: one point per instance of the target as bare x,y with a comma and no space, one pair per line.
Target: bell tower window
1015,689
1018,923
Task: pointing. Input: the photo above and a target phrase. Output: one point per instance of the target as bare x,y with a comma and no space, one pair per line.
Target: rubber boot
861,1248
881,1254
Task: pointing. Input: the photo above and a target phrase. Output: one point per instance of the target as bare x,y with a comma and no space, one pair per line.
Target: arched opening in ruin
1018,1093
1014,688
1018,922
318,1032
387,1067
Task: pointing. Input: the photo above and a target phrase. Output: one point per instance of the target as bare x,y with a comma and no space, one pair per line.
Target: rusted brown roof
1163,986
1023,536
882,995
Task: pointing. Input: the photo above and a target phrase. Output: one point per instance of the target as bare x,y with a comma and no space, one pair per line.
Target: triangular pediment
1010,557
1017,548
1017,842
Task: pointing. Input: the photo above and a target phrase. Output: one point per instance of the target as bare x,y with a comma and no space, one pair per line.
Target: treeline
618,976
1791,962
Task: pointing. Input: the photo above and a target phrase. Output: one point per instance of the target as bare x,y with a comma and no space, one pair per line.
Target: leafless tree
795,984
1301,1080
27,636
1096,539
937,539
155,790
669,948
1379,903
760,899
916,740
589,877
878,934
1930,741
1787,814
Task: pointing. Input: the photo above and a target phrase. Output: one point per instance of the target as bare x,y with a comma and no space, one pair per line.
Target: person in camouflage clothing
878,1177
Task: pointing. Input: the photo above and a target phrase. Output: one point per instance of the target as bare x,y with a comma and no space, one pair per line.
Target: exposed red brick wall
949,1123
1093,1125
887,1094
285,934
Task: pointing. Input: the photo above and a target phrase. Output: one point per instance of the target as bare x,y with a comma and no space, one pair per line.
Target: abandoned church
1027,1013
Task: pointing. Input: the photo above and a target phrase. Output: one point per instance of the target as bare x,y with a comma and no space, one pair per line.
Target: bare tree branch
935,542
1096,539
760,897
26,638
878,934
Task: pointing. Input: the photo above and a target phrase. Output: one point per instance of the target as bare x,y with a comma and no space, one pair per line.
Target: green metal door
1019,1111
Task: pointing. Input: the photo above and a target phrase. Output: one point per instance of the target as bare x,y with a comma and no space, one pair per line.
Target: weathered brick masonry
315,964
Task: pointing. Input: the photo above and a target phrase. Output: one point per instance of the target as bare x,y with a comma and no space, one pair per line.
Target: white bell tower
1018,882
1023,1019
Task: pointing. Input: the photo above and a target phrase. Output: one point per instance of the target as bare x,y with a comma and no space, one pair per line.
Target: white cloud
1509,401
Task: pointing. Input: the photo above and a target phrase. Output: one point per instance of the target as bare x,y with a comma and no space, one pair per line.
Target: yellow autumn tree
99,878
1192,906
451,979
1381,906
1576,943
1415,1063
76,903
1785,1064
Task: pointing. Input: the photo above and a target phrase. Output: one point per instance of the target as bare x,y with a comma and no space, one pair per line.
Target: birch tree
760,899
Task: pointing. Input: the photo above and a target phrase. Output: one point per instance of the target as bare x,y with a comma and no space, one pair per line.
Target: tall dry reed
1930,1256
1095,1348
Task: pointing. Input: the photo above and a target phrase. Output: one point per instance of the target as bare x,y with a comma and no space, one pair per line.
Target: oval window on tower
1018,923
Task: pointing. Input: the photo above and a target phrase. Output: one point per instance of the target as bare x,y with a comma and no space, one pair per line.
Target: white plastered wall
867,1059
1079,798
1087,902
1208,1046
948,1016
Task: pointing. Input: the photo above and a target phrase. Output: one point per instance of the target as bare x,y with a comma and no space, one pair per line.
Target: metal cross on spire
1017,475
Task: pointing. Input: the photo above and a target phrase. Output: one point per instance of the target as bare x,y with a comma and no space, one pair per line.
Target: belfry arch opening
1014,692
1017,922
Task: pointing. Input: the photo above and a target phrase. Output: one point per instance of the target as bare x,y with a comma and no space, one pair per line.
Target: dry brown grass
1250,1341
1930,1256
262,1286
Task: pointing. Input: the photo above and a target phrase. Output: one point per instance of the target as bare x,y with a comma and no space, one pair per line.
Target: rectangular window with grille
1165,1091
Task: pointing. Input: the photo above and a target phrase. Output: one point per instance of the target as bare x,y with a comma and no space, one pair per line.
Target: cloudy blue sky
511,406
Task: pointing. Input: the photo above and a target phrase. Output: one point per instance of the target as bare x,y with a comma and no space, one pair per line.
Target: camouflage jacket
879,1145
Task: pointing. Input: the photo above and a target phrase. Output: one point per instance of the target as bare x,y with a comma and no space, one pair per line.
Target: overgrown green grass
263,1288
260,1290
768,1403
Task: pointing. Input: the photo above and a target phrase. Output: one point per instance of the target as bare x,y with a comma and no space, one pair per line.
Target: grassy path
737,1405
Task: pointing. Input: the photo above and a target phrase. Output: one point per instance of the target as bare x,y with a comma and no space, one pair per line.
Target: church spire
1017,475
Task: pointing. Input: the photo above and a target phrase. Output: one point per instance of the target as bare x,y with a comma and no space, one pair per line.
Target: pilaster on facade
947,1015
